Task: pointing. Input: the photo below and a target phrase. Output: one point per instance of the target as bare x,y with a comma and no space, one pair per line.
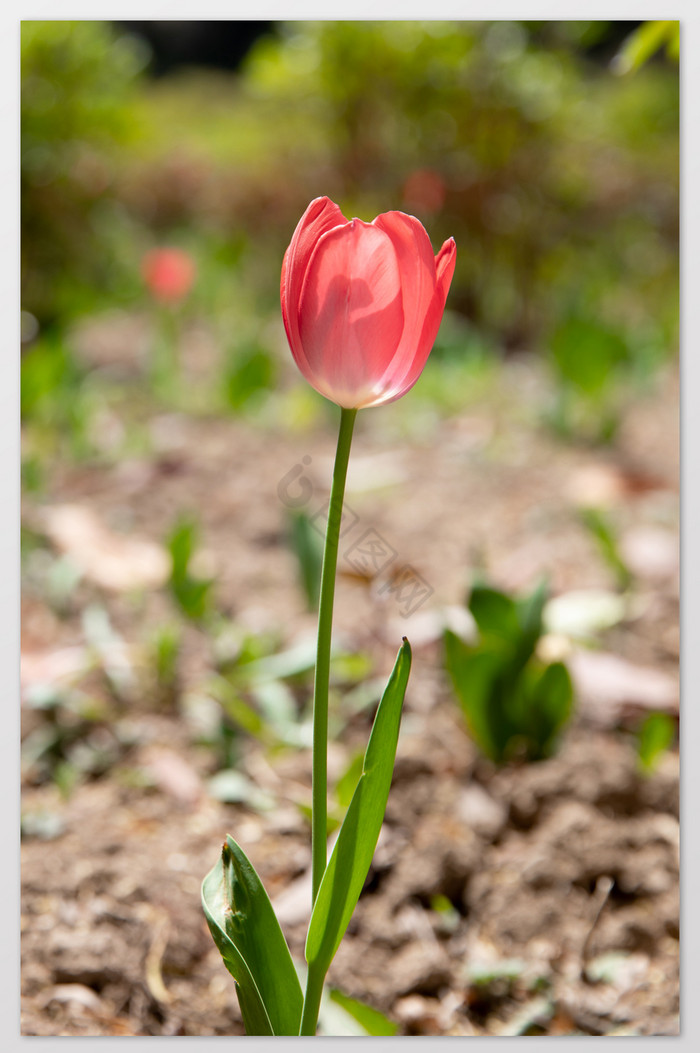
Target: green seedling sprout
515,706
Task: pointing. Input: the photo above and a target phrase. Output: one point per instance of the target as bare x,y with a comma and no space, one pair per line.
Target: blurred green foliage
250,371
515,705
47,372
655,735
264,692
558,180
76,739
307,545
56,400
192,593
163,658
605,537
588,357
557,177
77,82
641,45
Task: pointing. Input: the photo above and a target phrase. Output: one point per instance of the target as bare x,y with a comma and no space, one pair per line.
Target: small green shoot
515,705
307,545
603,532
447,913
191,593
163,658
655,736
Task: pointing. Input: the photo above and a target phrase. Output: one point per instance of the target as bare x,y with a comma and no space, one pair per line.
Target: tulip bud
362,302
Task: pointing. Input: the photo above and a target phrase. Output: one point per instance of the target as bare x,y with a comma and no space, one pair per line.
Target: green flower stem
165,361
319,786
312,1000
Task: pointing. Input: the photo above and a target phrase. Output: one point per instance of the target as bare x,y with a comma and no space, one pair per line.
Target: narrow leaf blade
370,1021
351,857
214,902
530,610
246,931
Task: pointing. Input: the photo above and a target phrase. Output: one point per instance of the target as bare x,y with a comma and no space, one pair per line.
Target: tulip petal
444,265
350,315
417,267
321,215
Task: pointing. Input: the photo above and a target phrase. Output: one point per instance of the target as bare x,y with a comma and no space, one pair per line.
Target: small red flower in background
168,273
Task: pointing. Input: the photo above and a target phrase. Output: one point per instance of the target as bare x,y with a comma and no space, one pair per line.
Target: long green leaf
246,931
645,41
350,860
369,1021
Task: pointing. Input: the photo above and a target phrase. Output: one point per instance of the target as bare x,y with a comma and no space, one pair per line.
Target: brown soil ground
559,880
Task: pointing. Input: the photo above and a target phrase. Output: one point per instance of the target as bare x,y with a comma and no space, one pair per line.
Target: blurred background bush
549,150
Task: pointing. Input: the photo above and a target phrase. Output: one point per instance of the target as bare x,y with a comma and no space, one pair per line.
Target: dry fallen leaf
651,552
119,562
601,485
173,775
597,485
49,666
606,683
76,993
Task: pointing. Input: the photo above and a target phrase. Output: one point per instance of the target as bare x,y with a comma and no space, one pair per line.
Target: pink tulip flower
168,273
362,302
